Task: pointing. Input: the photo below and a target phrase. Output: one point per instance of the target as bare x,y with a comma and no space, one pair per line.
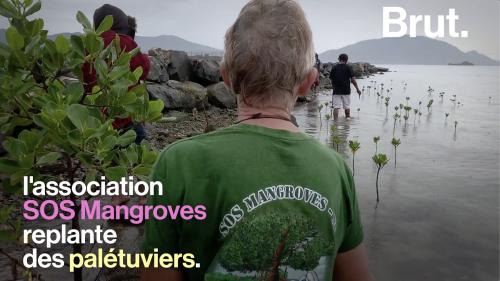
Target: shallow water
438,216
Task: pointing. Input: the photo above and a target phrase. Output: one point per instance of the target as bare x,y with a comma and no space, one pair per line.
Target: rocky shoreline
196,100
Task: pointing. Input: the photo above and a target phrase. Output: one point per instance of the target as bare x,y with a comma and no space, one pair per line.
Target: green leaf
141,170
115,173
62,44
90,175
105,25
30,138
78,115
33,9
83,20
8,10
74,92
8,166
101,68
118,72
127,138
85,158
14,39
77,45
48,158
108,143
15,147
138,74
155,110
132,155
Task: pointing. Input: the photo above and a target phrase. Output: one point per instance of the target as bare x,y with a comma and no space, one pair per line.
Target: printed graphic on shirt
271,245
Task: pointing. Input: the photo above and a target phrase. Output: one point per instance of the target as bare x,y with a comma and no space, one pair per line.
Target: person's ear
225,76
306,84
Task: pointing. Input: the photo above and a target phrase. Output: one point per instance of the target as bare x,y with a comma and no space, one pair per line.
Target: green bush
50,126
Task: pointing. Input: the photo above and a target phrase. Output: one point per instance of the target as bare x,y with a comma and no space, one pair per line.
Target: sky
335,23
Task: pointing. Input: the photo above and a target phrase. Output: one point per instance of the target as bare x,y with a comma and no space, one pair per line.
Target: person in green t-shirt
279,204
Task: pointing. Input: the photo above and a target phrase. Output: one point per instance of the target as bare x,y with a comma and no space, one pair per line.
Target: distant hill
170,42
406,50
173,42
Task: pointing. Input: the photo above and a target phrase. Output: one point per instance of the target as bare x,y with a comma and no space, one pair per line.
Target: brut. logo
395,18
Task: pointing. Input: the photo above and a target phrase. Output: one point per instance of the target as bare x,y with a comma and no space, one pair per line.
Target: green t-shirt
277,202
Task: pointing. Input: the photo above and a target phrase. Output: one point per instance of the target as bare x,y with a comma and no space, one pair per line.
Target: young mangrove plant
387,99
456,123
376,140
396,116
446,117
380,160
395,142
415,112
320,108
336,140
429,105
354,146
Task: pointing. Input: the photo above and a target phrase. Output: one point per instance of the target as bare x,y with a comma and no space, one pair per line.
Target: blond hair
268,52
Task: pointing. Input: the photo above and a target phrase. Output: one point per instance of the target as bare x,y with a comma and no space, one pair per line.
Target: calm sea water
438,218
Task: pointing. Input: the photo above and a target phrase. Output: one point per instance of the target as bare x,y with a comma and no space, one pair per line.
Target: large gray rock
206,71
360,69
325,82
180,95
221,96
158,70
177,63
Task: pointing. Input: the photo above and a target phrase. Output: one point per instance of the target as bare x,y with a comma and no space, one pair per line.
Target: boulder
324,82
177,63
158,70
360,69
180,95
206,71
221,96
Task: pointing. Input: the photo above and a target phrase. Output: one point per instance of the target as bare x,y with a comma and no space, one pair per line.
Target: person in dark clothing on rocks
317,65
125,27
342,76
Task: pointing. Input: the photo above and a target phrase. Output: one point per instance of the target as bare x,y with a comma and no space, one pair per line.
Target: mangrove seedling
375,140
320,107
387,99
429,104
336,140
456,123
395,142
396,116
380,160
446,116
354,146
415,112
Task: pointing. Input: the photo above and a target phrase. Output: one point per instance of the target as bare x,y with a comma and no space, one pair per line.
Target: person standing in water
342,76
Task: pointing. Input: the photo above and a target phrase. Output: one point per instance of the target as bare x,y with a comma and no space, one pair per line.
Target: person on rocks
266,197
